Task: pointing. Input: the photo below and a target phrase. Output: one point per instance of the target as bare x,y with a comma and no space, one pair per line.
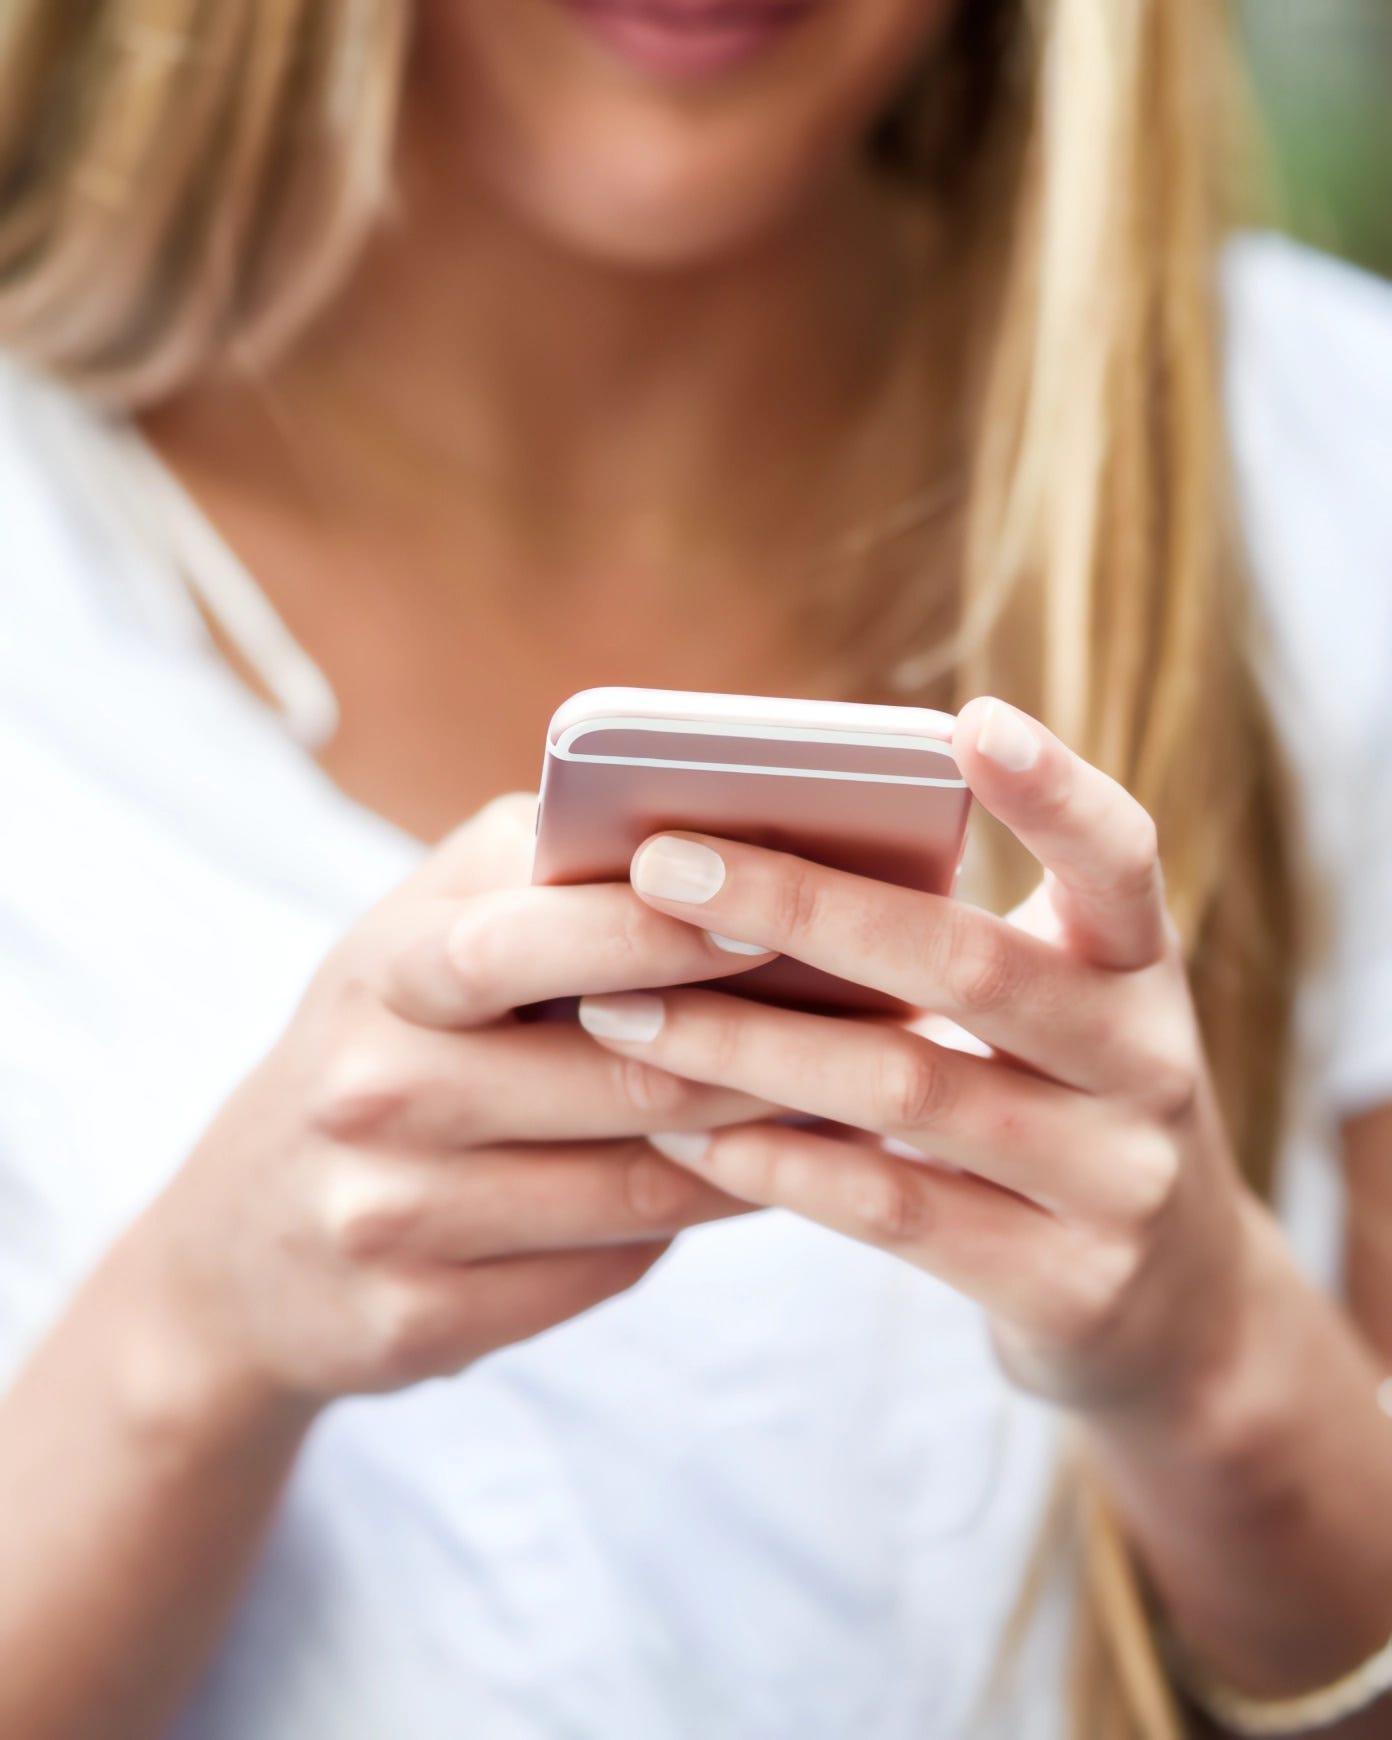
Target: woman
801,346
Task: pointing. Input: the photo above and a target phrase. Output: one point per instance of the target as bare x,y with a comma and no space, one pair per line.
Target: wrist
185,1380
1248,1500
1242,1414
1296,1376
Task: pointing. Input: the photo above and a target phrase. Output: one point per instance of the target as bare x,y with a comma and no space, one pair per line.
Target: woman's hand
1089,1202
414,1177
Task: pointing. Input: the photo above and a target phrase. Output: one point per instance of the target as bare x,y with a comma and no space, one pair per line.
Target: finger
439,1317
492,849
409,1087
444,963
1092,837
517,1297
1076,1156
504,1202
1026,1268
1061,1015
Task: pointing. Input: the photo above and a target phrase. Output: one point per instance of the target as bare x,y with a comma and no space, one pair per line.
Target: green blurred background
1323,76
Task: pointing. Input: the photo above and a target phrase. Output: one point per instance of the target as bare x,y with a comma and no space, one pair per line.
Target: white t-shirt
780,1489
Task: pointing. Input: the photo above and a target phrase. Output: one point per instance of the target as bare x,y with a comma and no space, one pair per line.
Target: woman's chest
446,679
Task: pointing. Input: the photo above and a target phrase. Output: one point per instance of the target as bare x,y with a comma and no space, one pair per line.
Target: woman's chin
643,172
655,239
638,208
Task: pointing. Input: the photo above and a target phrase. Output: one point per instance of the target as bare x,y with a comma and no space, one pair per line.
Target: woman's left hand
1089,1202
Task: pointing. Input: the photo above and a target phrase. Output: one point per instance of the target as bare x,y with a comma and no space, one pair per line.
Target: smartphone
873,790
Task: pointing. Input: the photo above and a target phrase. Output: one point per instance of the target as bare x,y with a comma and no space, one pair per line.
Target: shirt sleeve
1360,1074
1310,402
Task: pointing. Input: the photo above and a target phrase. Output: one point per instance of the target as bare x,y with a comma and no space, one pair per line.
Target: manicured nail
630,1015
672,869
686,1147
732,947
1007,739
920,1156
902,1150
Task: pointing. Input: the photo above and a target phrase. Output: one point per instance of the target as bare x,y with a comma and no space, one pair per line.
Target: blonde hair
181,182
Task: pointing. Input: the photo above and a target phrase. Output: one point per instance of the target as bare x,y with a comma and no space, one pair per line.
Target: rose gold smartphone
869,789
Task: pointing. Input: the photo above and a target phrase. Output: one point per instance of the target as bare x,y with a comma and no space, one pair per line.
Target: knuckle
360,1093
1052,802
1137,856
1169,1084
1096,1291
983,972
758,1160
889,1206
632,936
795,900
367,1217
914,1089
1151,1168
479,942
723,1038
757,1163
655,1194
651,1091
403,1329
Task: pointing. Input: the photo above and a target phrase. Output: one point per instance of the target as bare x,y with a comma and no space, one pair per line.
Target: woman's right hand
413,1177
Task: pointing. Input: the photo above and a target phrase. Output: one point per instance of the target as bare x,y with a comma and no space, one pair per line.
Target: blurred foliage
1323,76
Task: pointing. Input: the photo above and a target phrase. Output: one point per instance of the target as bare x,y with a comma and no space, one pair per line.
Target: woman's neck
493,474
688,423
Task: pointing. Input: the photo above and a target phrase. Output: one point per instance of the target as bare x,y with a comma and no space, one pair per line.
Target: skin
709,275
1092,1207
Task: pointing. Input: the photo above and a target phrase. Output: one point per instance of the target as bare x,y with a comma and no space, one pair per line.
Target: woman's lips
689,39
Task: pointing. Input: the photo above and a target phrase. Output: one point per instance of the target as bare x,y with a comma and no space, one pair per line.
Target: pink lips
689,39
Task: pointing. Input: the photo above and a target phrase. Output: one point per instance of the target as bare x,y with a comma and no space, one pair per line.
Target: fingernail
902,1150
685,1147
672,869
732,947
921,1156
631,1015
1007,739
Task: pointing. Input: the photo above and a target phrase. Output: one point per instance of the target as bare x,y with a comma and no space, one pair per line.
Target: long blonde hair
182,182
